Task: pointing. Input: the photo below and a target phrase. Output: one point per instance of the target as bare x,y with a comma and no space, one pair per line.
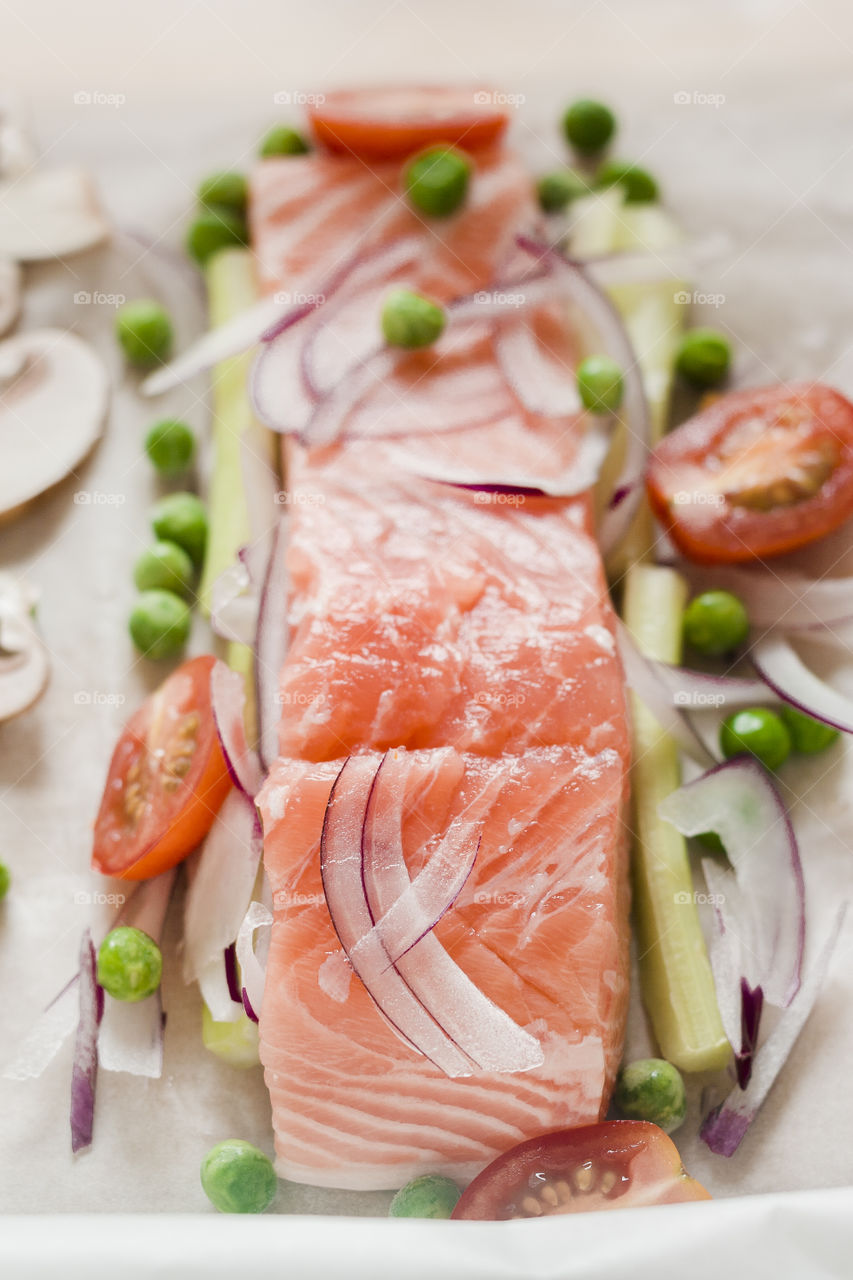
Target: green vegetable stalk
675,974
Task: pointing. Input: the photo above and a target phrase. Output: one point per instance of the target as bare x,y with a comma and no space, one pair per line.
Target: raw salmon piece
540,928
424,615
307,214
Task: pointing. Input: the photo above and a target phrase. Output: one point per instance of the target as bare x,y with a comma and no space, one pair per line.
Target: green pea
238,1178
181,518
164,567
144,331
411,320
715,622
759,732
637,184
281,140
808,736
130,964
556,190
430,1196
5,880
600,384
160,624
170,445
226,190
651,1089
215,229
436,181
589,126
703,357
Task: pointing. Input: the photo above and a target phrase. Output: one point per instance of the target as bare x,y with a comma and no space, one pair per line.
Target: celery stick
675,974
231,289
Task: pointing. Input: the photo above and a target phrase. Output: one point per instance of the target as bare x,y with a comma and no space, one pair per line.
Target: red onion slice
276,385
787,674
652,686
271,645
252,972
229,339
428,897
482,1030
228,702
223,876
596,307
541,382
759,901
724,1128
341,870
779,598
84,1071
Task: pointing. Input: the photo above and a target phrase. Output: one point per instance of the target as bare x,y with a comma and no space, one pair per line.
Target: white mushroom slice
24,665
49,213
53,400
10,293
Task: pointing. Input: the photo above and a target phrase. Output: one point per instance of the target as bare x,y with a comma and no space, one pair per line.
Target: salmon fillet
473,633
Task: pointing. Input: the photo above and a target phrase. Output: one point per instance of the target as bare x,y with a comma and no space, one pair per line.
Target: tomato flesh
756,474
386,123
166,781
617,1164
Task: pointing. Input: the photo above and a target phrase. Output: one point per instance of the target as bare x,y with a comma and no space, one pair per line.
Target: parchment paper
768,171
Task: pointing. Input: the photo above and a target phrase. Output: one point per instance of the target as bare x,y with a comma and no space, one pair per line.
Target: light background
769,172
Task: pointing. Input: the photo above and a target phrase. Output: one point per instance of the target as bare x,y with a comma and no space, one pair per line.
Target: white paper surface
767,171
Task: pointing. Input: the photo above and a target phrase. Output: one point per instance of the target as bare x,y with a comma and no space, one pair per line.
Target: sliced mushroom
10,293
24,663
49,213
53,400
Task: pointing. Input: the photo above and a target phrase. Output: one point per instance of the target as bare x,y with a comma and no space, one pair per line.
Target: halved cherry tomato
166,781
756,474
619,1164
383,123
